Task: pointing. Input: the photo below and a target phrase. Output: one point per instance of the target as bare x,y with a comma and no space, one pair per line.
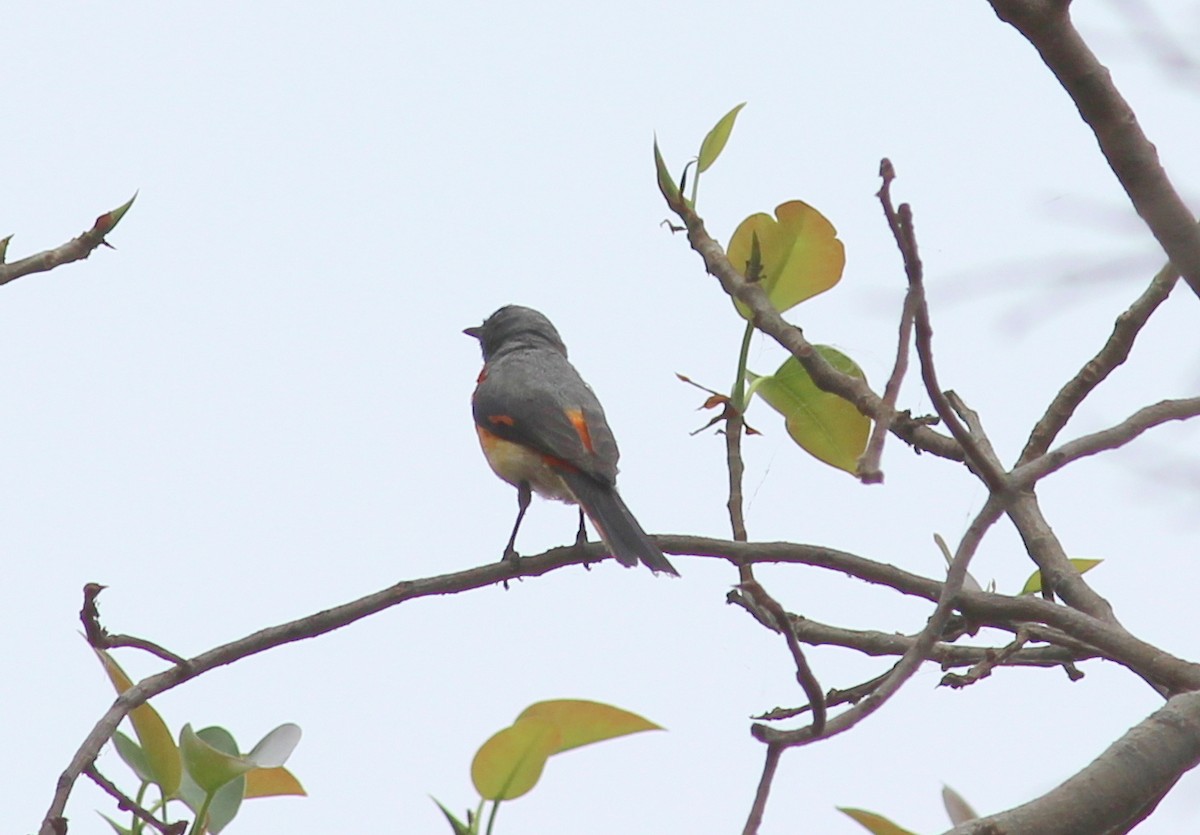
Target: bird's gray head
513,327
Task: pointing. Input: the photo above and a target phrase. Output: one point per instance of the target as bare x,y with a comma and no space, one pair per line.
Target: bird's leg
581,537
524,494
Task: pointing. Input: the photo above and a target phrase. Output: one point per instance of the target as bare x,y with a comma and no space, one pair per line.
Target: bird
543,430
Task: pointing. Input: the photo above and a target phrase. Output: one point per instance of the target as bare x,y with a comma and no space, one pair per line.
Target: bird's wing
538,400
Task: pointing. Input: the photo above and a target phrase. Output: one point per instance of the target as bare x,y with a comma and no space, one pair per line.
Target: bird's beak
475,332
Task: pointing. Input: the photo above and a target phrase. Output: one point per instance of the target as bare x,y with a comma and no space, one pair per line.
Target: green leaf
224,806
458,826
876,824
120,830
158,746
665,183
133,756
714,142
272,782
1034,584
227,800
801,253
826,426
207,764
581,722
510,763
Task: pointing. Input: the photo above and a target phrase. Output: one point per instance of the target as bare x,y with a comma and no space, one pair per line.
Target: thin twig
75,249
869,466
736,468
128,804
900,221
912,659
875,644
770,764
804,674
1113,437
99,638
1114,352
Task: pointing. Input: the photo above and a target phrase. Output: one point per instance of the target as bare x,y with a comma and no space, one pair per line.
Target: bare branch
804,674
1144,659
916,654
1132,156
1119,787
764,789
99,638
1114,352
984,608
869,466
128,804
1106,439
900,221
73,250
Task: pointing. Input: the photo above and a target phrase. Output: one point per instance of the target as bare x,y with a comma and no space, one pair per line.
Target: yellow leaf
272,782
162,755
510,763
1034,584
800,253
826,426
581,722
876,824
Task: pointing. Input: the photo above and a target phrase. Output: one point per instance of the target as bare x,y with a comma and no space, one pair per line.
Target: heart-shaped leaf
799,249
826,426
510,763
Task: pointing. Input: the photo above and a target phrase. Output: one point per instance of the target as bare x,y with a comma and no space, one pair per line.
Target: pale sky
256,407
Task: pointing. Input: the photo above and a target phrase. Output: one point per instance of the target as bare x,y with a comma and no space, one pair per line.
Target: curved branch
1113,353
1106,439
1144,659
914,656
1130,154
985,608
1120,787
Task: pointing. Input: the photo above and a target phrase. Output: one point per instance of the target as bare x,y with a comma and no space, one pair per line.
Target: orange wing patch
579,423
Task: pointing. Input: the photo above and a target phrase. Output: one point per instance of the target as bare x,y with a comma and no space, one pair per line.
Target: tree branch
768,320
901,223
1120,786
1144,659
1113,353
914,655
1047,25
1106,439
75,249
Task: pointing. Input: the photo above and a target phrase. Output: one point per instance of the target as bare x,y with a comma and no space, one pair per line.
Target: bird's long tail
616,525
